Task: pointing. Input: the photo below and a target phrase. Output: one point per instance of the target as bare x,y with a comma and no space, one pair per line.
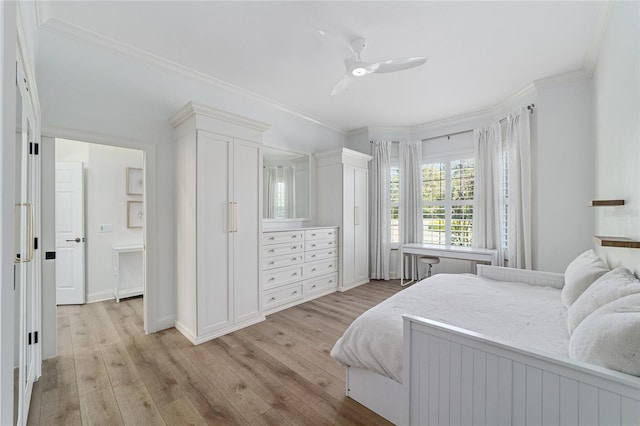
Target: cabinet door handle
356,216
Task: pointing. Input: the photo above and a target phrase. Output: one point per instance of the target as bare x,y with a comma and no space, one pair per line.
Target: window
394,195
447,202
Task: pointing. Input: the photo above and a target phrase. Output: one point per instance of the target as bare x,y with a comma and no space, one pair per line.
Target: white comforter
525,316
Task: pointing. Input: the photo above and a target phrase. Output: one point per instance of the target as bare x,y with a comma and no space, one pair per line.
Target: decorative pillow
580,274
613,285
609,337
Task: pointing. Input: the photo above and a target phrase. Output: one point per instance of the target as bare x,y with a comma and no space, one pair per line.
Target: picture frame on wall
135,214
135,181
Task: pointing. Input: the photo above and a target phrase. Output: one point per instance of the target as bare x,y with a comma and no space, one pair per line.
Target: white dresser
298,265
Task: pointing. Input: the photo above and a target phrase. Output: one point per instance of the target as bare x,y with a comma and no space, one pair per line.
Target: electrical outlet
108,227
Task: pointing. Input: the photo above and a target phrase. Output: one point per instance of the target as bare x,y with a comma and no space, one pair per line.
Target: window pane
433,182
461,225
434,224
395,224
394,188
462,179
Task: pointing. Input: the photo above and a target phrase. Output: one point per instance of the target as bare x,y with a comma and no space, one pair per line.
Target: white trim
100,296
343,288
165,322
564,78
151,262
58,26
194,108
27,66
196,340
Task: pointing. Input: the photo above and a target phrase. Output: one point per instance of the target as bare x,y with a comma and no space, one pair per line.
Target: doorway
99,206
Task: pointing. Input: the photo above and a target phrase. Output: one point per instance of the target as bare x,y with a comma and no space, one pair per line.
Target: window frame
447,158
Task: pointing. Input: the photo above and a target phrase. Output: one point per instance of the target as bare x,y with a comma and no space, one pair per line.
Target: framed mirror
285,184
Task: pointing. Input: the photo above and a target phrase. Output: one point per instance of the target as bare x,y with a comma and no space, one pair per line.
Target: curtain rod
448,135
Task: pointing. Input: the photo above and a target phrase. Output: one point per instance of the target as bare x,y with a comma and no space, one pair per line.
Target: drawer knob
330,266
294,248
330,281
313,270
313,245
272,263
295,292
272,238
330,242
272,279
294,236
313,255
272,299
293,259
313,286
272,251
294,274
313,235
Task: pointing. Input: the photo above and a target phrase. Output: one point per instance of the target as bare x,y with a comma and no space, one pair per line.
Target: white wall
617,133
563,162
105,203
95,95
7,159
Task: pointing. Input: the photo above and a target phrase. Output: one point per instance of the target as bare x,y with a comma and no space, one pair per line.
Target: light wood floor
276,372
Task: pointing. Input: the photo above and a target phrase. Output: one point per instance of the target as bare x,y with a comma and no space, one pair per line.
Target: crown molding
71,31
593,52
92,137
193,108
564,78
358,131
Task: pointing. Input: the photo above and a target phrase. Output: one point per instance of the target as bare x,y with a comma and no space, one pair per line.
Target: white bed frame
452,376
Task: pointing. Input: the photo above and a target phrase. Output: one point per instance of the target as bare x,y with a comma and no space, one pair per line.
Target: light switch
108,227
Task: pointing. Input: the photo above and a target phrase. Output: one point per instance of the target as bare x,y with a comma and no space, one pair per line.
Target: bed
487,349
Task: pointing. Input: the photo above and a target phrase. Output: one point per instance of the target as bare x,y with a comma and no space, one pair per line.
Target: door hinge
34,148
35,243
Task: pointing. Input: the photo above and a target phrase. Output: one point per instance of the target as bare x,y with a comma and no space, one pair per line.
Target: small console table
120,293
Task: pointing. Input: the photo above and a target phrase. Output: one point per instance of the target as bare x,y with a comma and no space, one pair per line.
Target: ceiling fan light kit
358,68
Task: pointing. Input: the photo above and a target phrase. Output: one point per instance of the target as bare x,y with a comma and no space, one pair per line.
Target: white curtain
518,146
279,200
410,199
380,235
488,206
269,183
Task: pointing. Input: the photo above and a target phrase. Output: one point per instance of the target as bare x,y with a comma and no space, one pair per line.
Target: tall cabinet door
214,231
247,247
360,231
348,225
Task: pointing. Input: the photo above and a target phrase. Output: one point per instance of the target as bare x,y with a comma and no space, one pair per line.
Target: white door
69,234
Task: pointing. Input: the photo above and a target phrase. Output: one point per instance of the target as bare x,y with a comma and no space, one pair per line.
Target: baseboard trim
354,285
165,322
100,296
196,340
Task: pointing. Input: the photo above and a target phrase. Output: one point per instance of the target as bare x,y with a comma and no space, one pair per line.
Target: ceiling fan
356,68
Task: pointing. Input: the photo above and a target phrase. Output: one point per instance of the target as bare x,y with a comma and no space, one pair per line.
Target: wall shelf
606,203
616,242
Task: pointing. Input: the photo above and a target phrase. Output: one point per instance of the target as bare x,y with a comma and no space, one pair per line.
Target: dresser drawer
320,244
320,284
280,261
283,295
282,237
312,256
320,234
282,249
280,276
320,268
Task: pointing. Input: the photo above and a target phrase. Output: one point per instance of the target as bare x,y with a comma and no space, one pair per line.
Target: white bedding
526,316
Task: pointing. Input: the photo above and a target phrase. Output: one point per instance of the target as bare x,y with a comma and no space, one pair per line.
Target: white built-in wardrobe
219,221
342,199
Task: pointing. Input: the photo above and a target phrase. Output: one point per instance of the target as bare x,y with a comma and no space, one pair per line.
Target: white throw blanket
524,315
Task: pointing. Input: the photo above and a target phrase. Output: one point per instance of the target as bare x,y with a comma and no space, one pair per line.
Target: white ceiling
479,53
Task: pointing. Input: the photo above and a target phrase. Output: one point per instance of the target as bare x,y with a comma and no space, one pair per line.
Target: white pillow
580,274
613,285
609,337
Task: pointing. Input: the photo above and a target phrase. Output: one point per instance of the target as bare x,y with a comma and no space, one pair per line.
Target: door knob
77,240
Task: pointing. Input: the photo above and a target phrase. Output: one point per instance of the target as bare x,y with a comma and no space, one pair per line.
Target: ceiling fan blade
343,85
393,65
